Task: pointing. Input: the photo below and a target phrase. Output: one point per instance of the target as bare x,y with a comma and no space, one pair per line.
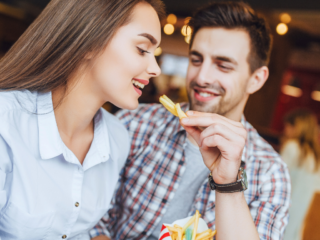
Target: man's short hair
237,15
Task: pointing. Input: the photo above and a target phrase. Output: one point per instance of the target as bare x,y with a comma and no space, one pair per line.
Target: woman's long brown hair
306,133
55,45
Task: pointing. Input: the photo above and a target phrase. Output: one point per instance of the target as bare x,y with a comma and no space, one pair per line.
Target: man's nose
153,68
204,74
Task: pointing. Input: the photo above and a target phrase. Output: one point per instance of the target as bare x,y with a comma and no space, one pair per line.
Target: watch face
243,177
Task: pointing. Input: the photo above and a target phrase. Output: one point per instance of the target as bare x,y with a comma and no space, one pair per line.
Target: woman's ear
257,79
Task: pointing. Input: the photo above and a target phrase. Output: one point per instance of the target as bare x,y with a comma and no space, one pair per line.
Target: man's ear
257,79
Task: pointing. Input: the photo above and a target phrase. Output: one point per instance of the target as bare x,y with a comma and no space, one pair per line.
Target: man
166,174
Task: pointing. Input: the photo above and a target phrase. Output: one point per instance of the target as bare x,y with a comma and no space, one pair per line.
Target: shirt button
64,236
77,204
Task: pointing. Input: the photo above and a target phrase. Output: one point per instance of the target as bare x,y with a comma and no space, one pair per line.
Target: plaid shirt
154,169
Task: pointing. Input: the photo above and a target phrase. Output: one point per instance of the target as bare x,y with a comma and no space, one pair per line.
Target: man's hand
101,237
221,143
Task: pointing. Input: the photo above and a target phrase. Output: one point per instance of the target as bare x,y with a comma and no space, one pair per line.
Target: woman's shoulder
16,100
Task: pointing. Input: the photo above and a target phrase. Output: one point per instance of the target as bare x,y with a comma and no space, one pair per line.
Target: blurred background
294,80
294,67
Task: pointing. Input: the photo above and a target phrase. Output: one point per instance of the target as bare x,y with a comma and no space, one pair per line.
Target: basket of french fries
191,228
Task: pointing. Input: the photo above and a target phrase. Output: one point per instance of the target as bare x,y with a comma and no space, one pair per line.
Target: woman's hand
221,143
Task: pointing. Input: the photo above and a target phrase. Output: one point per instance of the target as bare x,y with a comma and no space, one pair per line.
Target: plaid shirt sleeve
270,210
270,190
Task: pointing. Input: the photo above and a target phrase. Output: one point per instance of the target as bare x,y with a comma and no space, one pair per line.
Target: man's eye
195,61
141,51
225,68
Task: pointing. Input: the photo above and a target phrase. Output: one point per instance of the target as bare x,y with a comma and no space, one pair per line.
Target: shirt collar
50,142
101,143
49,137
246,149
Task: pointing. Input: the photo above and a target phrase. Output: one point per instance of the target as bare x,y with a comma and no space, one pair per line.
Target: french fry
188,223
179,234
174,235
180,113
172,229
175,109
177,226
203,234
208,236
195,228
186,232
168,99
168,105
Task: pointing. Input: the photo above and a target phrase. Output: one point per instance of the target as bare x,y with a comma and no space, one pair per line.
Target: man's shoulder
154,114
259,149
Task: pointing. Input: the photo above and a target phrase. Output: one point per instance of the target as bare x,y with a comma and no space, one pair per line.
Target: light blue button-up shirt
45,193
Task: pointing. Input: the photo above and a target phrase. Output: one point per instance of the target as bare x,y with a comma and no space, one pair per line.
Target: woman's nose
154,69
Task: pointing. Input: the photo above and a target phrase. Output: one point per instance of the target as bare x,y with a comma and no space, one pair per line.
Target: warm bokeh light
168,29
158,51
186,30
282,28
291,91
186,20
285,18
315,95
172,18
187,39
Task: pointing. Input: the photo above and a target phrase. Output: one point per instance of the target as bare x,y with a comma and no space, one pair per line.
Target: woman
60,153
301,151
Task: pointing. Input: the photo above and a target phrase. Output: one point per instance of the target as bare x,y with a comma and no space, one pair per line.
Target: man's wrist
232,185
224,180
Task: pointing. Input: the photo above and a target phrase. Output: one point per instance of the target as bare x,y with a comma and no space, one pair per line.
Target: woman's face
128,61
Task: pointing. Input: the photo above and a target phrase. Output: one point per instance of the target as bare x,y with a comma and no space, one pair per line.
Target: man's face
218,71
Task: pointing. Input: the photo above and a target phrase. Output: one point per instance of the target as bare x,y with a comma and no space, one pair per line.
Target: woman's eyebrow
150,37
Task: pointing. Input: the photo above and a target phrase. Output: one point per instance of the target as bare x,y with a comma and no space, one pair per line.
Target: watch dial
243,178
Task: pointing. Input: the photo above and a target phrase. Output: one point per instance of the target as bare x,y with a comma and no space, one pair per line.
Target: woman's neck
75,109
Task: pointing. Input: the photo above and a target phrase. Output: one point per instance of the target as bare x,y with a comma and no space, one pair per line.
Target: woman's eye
141,51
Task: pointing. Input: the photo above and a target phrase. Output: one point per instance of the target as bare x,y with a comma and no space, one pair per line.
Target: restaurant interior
294,80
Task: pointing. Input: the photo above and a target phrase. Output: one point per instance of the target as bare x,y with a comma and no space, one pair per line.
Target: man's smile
205,95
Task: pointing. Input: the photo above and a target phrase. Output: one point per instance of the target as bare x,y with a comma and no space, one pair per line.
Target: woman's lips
137,90
144,82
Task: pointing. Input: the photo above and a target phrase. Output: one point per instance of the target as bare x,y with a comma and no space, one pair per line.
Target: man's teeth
205,94
138,84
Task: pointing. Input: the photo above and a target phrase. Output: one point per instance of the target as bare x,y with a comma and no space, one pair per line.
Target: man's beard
222,107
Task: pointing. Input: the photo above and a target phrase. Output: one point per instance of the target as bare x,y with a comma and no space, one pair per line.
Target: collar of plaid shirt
156,164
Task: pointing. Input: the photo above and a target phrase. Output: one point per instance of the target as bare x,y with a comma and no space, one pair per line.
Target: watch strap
227,188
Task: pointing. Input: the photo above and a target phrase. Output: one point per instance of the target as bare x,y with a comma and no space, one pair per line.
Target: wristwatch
239,186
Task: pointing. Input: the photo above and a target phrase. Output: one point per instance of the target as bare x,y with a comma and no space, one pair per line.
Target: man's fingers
214,116
219,129
206,121
228,149
194,132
